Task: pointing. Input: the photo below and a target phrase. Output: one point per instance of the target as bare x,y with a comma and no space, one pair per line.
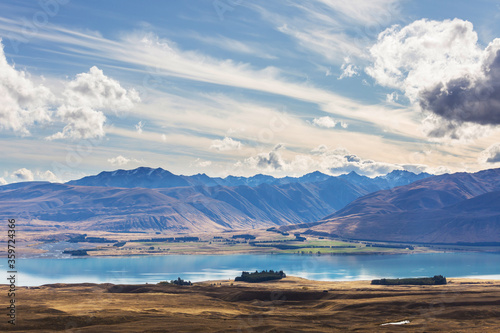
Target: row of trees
260,276
435,280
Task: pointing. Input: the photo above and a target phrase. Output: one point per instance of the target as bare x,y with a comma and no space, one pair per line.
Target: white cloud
332,161
142,50
392,97
101,92
23,174
364,11
348,69
334,28
490,154
118,160
422,54
328,122
23,103
226,144
3,181
201,163
139,126
85,99
340,160
83,122
440,66
233,45
271,161
121,160
47,176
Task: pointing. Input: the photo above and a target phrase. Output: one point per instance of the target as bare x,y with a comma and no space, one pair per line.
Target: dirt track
290,305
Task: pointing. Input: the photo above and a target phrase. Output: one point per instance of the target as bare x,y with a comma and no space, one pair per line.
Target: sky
237,87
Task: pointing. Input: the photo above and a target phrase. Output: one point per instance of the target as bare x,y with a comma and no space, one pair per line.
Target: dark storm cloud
472,99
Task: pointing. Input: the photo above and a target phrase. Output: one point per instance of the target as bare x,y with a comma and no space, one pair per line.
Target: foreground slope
288,305
454,208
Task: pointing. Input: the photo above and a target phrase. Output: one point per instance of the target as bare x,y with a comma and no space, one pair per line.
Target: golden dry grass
290,305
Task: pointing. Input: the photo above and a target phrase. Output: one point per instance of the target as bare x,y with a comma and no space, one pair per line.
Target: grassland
287,305
31,244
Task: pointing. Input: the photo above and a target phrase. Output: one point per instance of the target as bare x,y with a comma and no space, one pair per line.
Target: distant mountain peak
147,177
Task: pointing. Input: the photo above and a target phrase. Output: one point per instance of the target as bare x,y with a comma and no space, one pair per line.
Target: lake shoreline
153,269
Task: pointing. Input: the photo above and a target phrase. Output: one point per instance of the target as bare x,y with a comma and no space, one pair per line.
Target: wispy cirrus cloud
234,46
333,29
142,50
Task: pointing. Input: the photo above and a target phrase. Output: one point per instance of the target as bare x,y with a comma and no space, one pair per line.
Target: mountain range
156,199
159,178
450,208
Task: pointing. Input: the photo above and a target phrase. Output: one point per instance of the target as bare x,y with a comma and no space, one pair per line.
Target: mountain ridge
161,178
451,208
156,199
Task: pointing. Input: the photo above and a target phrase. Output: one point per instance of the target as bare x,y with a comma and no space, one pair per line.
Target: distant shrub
260,276
435,280
178,282
244,236
76,252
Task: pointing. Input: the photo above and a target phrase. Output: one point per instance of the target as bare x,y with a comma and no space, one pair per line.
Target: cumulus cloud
2,181
27,175
271,161
23,103
328,122
23,174
474,97
81,106
83,122
340,160
348,69
226,144
47,176
440,66
118,160
85,99
332,161
490,154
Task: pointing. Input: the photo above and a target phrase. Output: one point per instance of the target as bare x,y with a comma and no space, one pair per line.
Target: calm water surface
152,269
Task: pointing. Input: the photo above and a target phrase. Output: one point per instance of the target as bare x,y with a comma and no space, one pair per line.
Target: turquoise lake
152,269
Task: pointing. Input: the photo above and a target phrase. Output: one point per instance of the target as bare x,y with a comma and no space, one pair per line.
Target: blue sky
244,87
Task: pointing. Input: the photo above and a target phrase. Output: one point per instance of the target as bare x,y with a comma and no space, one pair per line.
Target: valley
397,213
